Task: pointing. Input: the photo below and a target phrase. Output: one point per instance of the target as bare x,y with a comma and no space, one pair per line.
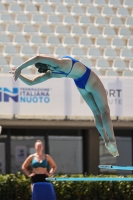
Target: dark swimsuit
81,81
39,177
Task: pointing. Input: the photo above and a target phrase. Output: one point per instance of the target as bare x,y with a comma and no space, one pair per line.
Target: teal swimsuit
36,164
39,177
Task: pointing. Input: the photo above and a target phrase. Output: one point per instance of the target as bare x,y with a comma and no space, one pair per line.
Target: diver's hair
43,65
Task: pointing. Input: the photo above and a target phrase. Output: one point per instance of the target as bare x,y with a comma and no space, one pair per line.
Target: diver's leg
95,86
96,112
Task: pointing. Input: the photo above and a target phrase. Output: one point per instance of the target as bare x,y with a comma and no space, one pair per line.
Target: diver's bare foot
112,148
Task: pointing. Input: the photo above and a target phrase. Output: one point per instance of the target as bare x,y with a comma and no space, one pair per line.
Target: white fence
59,98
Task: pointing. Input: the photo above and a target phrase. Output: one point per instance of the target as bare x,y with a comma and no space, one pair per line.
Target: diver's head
42,68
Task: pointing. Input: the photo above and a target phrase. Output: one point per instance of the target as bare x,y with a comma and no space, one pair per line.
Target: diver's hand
17,73
12,72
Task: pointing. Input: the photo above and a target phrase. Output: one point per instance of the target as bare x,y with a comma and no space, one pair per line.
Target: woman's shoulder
47,156
31,156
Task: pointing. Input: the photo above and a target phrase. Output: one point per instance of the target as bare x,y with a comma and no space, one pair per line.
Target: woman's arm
42,59
26,164
54,62
29,62
52,164
38,79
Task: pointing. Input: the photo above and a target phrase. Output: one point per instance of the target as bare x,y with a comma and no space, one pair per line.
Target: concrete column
8,151
91,151
46,138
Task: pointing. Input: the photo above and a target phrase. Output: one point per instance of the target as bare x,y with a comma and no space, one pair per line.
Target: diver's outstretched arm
48,60
37,79
29,62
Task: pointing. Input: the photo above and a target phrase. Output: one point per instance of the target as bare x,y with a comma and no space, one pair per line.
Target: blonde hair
39,141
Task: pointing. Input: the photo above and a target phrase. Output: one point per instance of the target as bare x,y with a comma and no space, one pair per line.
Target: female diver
87,82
